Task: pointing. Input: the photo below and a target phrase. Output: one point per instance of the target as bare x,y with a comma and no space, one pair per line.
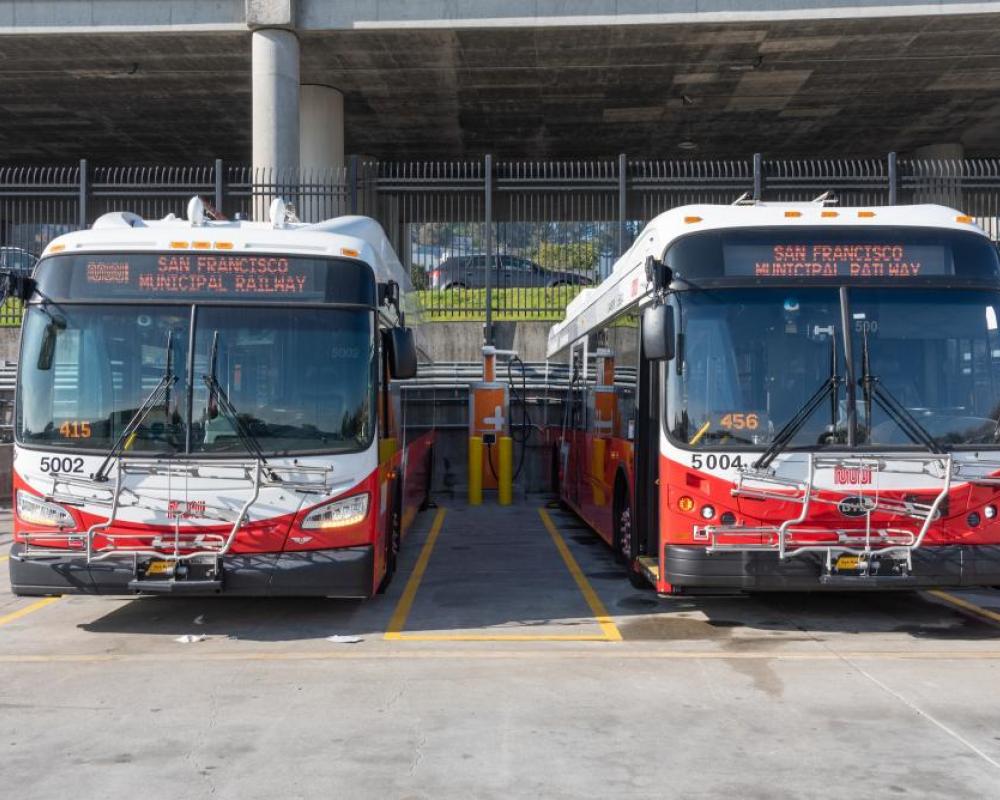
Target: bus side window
625,338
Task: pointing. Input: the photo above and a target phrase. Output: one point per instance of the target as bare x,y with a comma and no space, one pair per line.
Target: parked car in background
469,272
17,258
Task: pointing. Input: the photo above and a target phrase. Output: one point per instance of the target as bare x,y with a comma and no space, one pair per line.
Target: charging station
491,454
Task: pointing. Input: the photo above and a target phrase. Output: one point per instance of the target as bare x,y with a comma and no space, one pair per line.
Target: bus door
646,531
574,430
389,503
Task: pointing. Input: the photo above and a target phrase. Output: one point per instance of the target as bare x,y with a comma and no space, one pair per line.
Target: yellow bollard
475,471
505,473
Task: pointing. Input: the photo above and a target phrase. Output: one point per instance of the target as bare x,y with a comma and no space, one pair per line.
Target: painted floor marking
536,654
399,616
3,558
965,605
23,612
611,632
394,630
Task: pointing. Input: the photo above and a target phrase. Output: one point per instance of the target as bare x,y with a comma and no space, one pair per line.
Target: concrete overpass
284,81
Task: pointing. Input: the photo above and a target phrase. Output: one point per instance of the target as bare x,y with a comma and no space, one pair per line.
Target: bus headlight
34,510
340,514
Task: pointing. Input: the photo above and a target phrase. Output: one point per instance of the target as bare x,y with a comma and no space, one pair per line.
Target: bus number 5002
56,464
713,461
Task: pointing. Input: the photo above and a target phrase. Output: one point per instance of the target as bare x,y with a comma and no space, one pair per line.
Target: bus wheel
393,541
623,526
623,538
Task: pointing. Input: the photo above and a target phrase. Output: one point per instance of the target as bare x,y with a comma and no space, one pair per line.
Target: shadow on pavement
497,571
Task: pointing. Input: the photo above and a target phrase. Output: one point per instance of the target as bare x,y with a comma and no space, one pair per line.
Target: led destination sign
836,260
205,274
206,277
886,255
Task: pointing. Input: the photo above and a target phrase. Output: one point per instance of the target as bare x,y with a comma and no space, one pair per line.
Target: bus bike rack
790,538
184,546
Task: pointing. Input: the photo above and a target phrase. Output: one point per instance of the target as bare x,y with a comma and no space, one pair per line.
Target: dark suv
469,272
16,258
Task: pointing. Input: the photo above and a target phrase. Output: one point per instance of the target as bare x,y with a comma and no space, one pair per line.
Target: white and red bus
790,396
211,407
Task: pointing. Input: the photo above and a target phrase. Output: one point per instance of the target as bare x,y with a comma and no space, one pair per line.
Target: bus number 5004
713,461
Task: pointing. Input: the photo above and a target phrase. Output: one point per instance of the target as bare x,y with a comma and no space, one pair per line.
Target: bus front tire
393,541
623,535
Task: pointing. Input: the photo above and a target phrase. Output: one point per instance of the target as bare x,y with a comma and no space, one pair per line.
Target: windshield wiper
160,392
829,389
872,390
218,399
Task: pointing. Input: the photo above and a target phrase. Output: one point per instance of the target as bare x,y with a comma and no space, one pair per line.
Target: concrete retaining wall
463,341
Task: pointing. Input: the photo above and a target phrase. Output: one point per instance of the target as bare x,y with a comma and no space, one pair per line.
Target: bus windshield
750,359
301,380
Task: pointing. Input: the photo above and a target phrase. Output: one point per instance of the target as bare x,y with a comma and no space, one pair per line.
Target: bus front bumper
694,567
345,572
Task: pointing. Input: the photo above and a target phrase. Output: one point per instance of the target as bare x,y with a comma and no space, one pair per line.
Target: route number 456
740,422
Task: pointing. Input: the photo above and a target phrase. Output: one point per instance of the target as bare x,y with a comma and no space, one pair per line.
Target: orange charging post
489,430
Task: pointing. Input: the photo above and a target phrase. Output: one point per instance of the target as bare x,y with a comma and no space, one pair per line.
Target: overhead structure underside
808,87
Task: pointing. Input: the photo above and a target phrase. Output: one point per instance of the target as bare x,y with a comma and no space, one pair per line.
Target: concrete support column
321,151
275,56
321,127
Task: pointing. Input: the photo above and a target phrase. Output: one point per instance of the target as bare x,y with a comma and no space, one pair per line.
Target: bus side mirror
658,273
658,332
401,349
389,294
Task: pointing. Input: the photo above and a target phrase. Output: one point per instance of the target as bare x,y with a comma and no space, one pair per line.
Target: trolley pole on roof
491,261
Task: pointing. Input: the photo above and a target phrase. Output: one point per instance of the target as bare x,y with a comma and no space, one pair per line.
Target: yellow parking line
394,630
611,632
479,654
3,558
496,637
965,605
399,616
23,612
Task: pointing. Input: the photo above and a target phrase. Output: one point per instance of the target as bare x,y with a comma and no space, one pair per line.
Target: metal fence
483,239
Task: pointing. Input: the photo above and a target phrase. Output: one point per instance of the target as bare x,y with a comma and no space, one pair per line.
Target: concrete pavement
498,679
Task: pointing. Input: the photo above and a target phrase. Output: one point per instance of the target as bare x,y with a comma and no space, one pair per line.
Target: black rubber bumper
344,572
693,567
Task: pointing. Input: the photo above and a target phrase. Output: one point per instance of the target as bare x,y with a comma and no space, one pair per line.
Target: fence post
758,176
490,258
893,179
220,189
84,191
622,203
352,183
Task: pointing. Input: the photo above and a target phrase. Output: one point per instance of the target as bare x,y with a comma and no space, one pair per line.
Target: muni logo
853,476
186,509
